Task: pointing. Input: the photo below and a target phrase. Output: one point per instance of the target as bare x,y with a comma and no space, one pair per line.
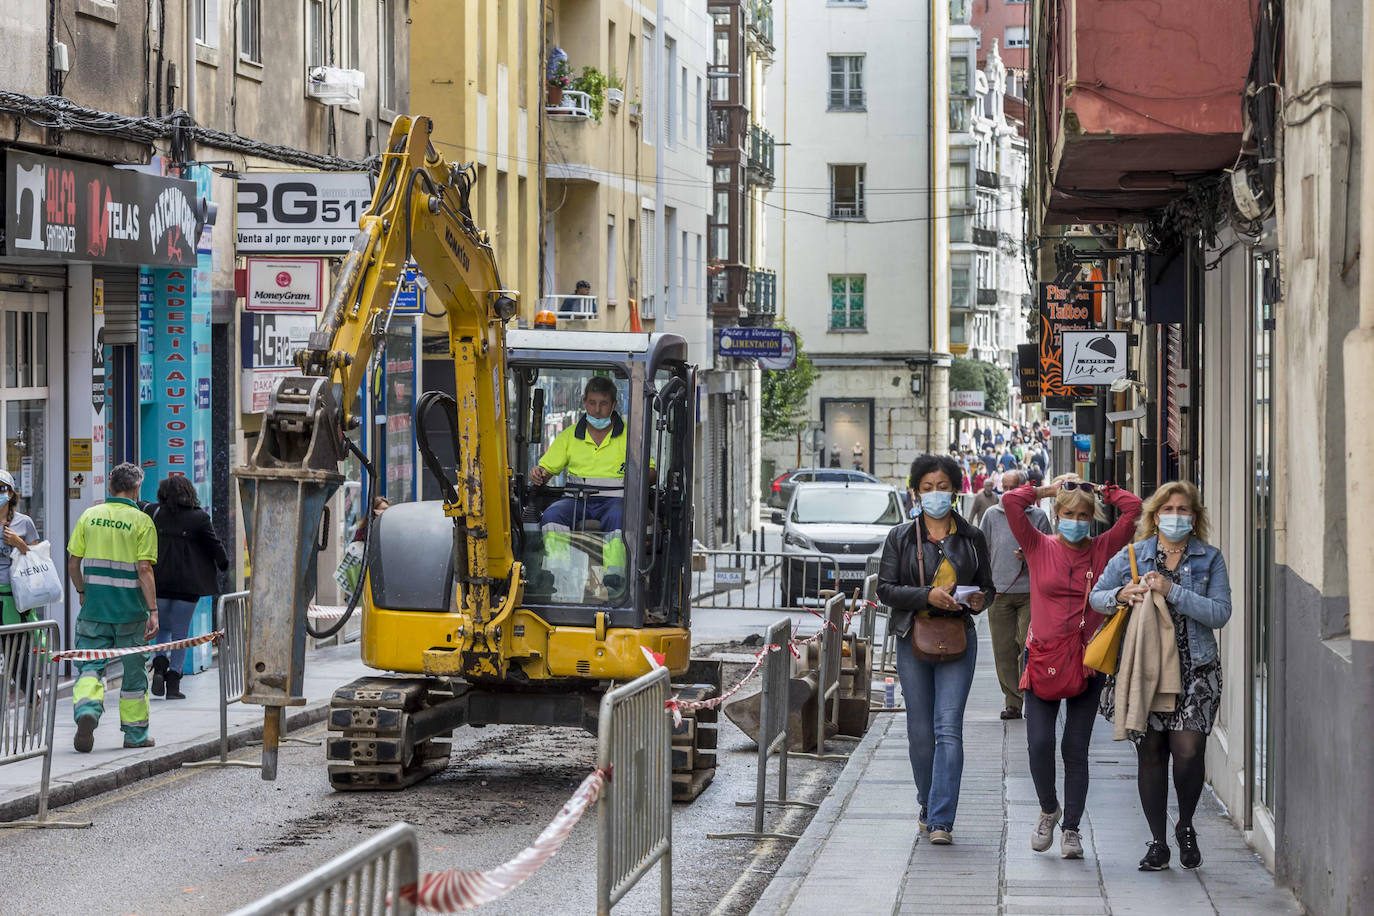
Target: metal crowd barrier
777,672
828,678
231,616
886,654
635,811
28,706
365,880
758,579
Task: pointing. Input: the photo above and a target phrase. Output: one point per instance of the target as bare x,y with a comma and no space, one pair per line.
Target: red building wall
993,17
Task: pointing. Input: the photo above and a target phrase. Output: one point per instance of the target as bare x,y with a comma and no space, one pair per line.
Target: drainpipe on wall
1359,445
190,75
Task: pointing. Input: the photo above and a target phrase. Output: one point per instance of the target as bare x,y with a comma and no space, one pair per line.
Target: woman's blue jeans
173,623
935,695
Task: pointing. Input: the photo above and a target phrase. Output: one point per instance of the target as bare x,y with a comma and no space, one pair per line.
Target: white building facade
857,228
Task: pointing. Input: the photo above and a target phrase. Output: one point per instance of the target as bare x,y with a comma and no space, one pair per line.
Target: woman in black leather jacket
954,553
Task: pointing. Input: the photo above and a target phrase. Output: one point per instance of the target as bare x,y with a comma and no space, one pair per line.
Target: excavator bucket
283,489
801,717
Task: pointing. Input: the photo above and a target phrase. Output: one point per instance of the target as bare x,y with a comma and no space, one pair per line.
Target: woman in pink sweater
1063,567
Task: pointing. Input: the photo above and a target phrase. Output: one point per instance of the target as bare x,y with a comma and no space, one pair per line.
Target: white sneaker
1042,837
1070,844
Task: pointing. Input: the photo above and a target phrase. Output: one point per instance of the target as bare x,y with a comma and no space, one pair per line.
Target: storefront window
24,400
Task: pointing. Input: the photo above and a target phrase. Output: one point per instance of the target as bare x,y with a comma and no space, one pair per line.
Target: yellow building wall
476,69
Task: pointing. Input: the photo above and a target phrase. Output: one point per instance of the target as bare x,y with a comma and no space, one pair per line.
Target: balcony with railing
985,238
727,129
985,178
762,297
987,296
761,24
1130,109
573,106
571,307
760,160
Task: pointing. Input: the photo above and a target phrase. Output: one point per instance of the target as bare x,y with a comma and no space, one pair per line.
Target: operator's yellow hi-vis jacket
573,451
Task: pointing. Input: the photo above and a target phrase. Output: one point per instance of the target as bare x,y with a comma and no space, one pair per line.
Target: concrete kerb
787,882
67,790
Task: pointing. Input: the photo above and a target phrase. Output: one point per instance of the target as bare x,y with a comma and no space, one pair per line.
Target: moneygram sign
300,212
284,285
60,209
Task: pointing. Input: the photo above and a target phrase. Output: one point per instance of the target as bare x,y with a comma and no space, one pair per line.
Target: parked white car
846,523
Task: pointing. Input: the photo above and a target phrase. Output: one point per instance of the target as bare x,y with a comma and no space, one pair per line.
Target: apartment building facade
859,237
121,301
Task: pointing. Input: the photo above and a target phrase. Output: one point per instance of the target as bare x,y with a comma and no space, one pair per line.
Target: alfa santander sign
68,210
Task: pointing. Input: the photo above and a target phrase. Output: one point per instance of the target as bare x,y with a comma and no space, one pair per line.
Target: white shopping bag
33,577
350,568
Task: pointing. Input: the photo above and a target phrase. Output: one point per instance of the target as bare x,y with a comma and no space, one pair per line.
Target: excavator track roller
387,730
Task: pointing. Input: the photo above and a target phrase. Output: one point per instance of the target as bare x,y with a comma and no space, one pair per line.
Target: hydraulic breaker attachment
283,488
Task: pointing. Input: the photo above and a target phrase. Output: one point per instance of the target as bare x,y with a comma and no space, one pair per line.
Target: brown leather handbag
936,639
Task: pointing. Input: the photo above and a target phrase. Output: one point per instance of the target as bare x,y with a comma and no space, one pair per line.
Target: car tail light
777,484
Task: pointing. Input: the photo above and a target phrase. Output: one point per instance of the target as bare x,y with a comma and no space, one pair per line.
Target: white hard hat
7,479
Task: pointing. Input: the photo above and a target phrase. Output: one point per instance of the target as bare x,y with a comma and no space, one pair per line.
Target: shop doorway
24,400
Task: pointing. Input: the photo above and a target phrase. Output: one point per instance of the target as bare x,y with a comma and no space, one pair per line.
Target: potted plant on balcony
615,91
560,78
593,83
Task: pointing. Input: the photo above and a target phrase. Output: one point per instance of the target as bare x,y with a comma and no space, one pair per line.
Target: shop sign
1061,422
1028,372
78,454
270,341
61,209
1059,314
410,294
98,348
750,343
967,400
255,386
788,359
1082,447
284,285
300,212
146,322
1094,357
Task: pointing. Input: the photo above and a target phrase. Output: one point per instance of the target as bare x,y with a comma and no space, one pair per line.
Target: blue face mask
1073,530
936,503
4,499
1175,527
598,422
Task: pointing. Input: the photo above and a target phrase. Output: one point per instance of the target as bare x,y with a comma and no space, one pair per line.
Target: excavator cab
620,544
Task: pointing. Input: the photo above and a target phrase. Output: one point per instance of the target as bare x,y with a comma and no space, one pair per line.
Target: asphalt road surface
208,841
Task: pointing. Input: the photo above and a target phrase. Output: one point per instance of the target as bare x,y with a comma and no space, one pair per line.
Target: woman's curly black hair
925,464
176,490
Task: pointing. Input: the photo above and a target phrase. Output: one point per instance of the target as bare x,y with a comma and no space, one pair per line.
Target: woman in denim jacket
1175,561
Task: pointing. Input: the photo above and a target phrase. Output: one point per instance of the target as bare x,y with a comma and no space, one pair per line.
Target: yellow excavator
476,616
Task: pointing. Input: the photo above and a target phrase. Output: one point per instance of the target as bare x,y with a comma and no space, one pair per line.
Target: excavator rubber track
378,728
695,740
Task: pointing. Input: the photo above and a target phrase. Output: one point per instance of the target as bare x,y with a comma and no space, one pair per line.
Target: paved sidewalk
185,730
861,855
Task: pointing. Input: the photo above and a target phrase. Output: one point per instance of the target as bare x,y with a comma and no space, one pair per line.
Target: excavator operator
593,454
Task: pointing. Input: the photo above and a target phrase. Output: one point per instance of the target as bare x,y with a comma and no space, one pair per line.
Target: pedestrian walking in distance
1176,565
1009,616
923,562
110,559
1062,569
189,551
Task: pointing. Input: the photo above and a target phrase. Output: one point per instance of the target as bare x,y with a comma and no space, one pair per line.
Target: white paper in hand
962,593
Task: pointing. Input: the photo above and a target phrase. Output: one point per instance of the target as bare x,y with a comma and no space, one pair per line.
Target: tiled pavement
861,854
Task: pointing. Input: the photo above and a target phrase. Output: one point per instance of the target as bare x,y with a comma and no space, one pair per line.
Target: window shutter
648,261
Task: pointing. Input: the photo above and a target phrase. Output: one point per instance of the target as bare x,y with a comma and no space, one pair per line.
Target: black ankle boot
1189,856
1156,857
160,665
174,686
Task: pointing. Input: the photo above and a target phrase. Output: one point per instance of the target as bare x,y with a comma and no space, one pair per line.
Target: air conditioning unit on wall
333,86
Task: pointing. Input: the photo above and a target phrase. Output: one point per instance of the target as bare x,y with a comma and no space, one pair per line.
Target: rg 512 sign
300,212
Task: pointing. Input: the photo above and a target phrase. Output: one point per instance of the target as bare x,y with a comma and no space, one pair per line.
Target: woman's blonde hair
1149,513
1073,500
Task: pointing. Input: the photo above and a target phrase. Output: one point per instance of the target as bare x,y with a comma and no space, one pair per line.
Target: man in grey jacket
1009,616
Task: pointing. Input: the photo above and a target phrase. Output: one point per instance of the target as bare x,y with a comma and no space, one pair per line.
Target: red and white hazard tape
95,655
454,890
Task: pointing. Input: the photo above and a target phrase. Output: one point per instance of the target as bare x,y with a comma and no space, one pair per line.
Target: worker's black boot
160,666
174,686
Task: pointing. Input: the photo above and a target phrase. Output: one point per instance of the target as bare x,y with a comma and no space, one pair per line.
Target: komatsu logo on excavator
458,250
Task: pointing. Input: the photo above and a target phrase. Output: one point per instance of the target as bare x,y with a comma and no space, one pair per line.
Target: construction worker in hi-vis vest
110,561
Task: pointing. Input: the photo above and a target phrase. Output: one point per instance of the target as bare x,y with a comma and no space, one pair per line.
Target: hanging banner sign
1094,357
750,343
61,209
270,341
300,212
967,400
1061,422
284,285
788,359
1057,315
1028,372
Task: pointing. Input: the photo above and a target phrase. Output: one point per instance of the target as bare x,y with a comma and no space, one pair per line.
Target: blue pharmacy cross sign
750,343
410,297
